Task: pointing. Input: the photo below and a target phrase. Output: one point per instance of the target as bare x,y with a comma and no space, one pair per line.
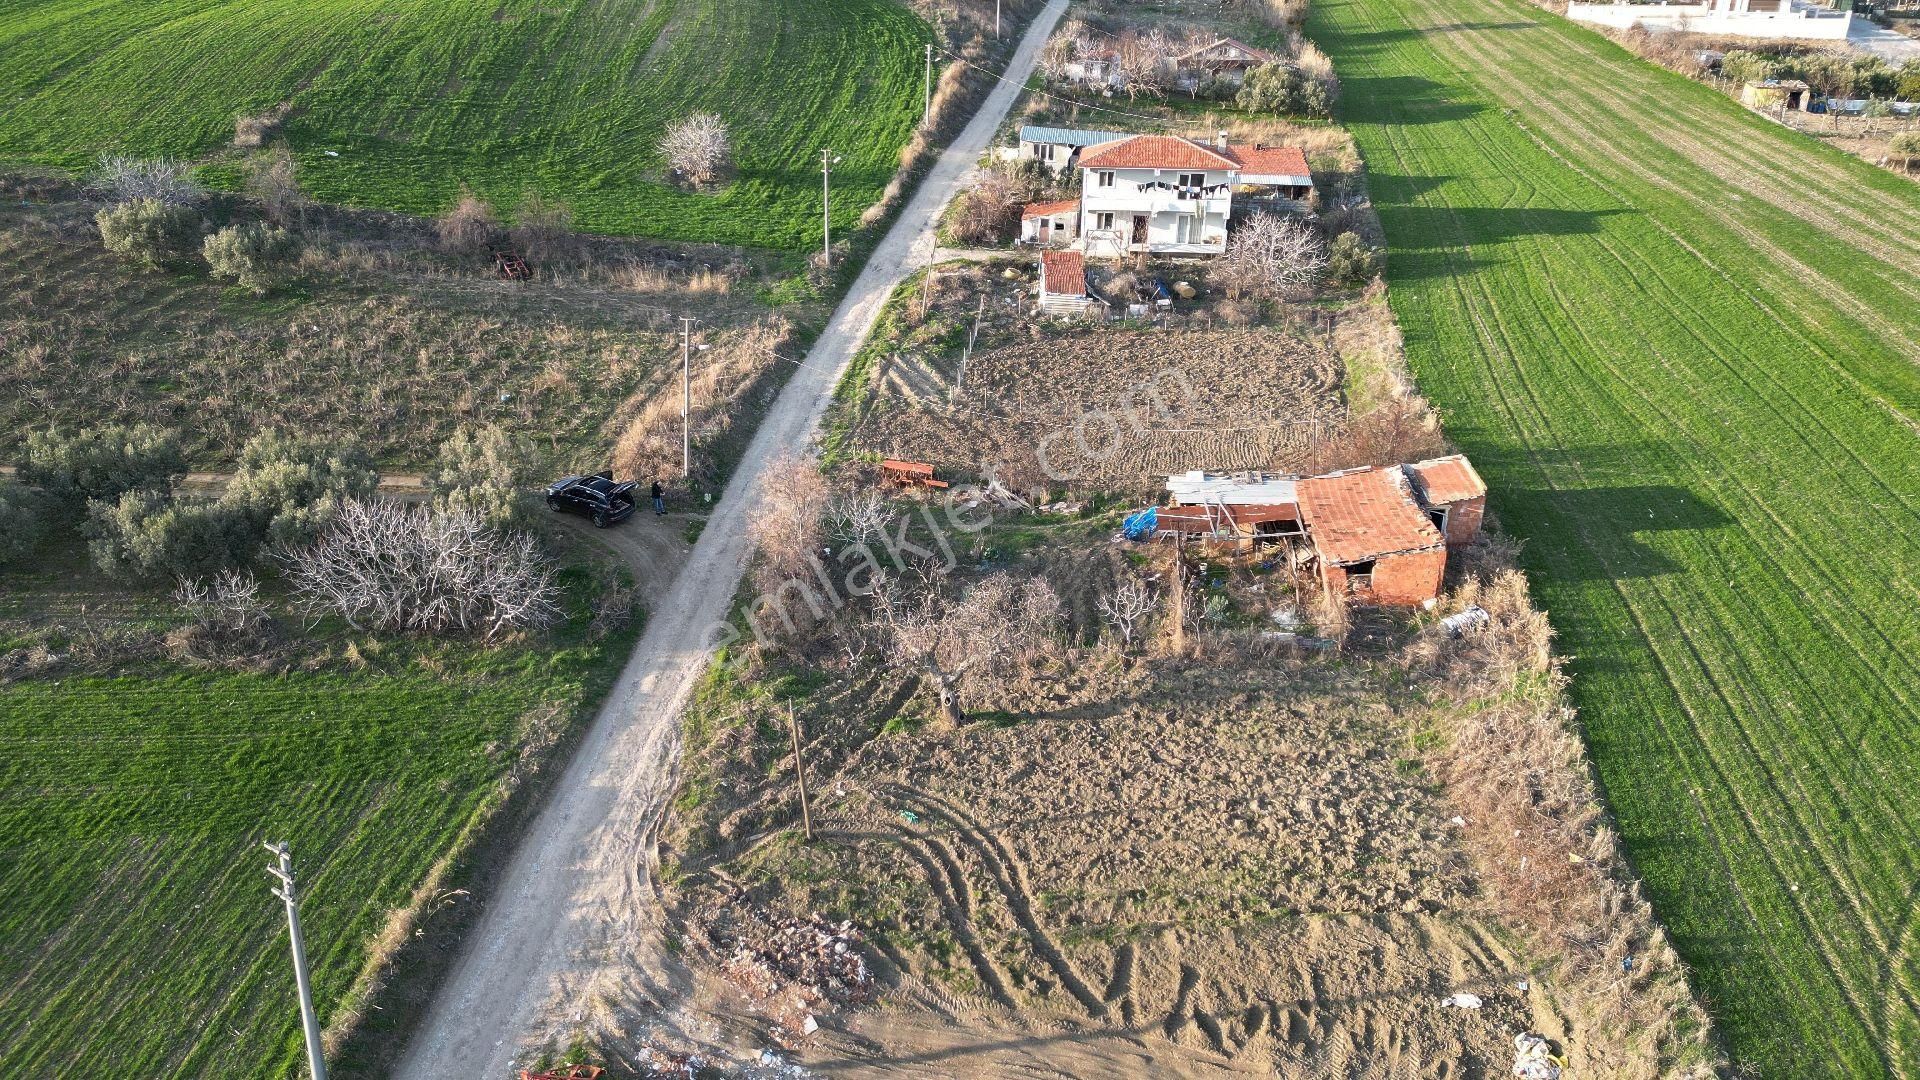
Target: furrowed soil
1110,409
1679,342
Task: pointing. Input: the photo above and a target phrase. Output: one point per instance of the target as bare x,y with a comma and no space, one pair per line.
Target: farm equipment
910,473
566,1072
511,266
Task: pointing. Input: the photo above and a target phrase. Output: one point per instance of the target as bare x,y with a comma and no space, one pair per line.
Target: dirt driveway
570,935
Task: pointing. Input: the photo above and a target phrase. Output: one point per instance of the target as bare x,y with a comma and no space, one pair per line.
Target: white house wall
1180,225
1797,23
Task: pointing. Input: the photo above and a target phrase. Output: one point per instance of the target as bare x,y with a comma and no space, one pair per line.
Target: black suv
596,497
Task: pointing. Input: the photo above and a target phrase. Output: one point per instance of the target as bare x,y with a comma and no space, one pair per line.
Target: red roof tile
1445,480
1364,514
1047,209
1153,152
1063,273
1270,160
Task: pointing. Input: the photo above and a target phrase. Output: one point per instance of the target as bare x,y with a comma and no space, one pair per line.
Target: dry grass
736,378
1513,763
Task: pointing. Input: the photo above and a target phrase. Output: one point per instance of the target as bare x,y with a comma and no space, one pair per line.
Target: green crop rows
137,936
416,97
1680,342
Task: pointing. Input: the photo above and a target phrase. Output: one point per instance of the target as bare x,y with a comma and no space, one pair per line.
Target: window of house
1103,178
1103,221
1438,515
1192,180
1360,576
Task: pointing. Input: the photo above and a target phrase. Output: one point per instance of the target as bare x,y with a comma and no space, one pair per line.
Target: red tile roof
1445,480
1153,152
1047,209
1270,160
1063,273
1364,514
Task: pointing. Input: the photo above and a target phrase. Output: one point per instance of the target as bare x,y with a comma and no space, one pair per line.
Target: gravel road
572,930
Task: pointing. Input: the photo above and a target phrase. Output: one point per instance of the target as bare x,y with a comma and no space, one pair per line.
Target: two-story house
1166,195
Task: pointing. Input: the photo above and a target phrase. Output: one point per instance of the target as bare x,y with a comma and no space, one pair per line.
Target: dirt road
572,930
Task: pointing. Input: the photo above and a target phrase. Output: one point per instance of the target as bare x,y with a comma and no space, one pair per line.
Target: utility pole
686,398
996,19
287,891
800,771
1179,598
827,161
926,117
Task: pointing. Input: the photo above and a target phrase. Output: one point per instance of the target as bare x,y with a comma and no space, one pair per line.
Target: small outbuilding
1372,540
1453,495
1050,222
1777,93
1063,284
1226,59
1059,148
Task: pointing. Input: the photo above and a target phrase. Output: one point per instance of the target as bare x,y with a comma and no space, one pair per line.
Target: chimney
1220,141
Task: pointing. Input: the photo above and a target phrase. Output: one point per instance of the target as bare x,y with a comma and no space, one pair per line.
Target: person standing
659,498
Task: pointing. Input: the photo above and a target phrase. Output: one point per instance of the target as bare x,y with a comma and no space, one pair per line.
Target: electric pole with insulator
290,893
828,159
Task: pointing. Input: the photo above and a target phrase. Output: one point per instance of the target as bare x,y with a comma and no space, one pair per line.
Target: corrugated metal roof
1364,514
1448,479
1034,133
1232,489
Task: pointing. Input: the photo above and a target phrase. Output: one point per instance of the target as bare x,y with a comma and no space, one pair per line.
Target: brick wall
1398,580
1463,521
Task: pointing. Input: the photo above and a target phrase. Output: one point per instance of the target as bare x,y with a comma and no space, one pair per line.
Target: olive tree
150,534
148,231
22,522
949,641
285,488
102,462
256,257
479,471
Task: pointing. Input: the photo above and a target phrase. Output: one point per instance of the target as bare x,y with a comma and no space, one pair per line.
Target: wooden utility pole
1179,577
686,398
800,772
286,891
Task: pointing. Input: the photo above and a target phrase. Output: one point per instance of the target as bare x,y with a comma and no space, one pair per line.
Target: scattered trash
1462,1000
1286,618
1063,508
653,1062
331,153
1457,821
1626,965
792,967
565,1072
1465,622
909,817
1534,1059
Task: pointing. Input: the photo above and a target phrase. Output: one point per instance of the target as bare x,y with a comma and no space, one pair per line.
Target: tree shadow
1404,100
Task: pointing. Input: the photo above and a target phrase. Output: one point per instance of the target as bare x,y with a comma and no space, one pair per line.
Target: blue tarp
1141,524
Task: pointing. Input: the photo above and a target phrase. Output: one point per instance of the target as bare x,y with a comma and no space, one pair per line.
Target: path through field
1680,342
572,926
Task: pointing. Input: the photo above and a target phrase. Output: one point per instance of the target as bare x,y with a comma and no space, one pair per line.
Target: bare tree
1269,251
1126,608
273,180
124,179
994,622
386,566
857,518
1146,62
787,531
697,147
229,604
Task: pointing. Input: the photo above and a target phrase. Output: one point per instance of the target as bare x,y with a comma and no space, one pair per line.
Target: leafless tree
124,179
697,147
383,565
1146,62
273,180
1126,608
787,531
229,604
1270,251
857,518
994,622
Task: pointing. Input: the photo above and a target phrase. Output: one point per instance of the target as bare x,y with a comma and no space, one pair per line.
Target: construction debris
1534,1059
565,1072
654,1063
1473,618
791,967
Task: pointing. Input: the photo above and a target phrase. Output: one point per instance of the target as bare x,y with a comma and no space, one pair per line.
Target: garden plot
1111,409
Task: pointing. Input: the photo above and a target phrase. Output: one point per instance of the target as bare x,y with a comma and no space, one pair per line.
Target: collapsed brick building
1379,534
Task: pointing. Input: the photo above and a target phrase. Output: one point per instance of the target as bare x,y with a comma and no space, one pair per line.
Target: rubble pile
792,966
654,1063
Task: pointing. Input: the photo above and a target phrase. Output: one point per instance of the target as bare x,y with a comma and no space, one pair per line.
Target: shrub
257,257
272,179
989,211
147,533
1906,86
697,148
1284,89
385,566
1350,261
287,487
102,462
1905,148
542,229
479,472
149,231
22,522
121,179
469,227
